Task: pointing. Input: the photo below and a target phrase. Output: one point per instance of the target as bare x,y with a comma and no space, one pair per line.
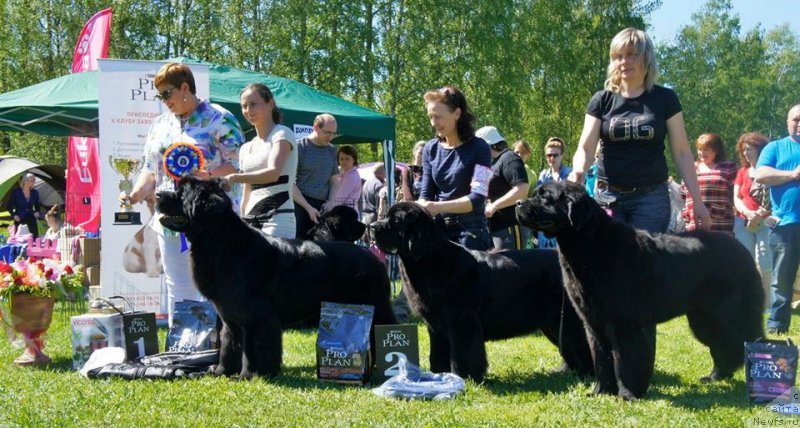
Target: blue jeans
647,208
469,230
784,241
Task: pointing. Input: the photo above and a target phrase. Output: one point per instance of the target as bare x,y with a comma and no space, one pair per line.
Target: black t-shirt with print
507,171
632,135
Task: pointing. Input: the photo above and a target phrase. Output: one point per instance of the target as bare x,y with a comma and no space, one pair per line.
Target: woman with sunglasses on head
630,119
268,165
456,169
218,136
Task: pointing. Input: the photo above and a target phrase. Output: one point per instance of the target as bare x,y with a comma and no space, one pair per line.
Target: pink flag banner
83,168
83,183
93,42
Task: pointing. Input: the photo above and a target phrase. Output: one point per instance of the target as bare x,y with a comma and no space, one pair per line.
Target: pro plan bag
343,343
139,329
770,368
194,327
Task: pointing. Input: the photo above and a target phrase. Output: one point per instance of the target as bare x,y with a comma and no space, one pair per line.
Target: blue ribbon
184,243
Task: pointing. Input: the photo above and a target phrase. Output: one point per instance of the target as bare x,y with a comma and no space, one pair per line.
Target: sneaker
776,331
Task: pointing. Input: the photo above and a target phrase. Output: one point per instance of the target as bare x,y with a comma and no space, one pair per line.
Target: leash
561,321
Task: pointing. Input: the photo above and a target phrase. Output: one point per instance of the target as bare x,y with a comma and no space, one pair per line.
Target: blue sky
674,14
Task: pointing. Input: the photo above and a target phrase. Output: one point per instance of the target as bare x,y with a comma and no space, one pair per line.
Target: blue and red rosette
182,159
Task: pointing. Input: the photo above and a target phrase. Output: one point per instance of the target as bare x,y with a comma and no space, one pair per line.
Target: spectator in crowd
23,205
748,226
509,184
55,222
346,185
268,164
412,177
555,171
370,198
778,167
630,119
316,169
456,169
715,176
215,132
554,155
523,150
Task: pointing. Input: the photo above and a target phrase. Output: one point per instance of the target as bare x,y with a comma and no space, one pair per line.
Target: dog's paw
563,368
220,370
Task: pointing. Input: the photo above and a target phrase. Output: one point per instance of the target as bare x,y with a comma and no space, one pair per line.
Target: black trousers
304,223
30,221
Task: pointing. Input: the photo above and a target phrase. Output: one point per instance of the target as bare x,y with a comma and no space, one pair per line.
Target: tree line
528,67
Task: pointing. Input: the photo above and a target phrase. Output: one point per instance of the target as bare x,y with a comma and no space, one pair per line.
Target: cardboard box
90,251
93,275
94,331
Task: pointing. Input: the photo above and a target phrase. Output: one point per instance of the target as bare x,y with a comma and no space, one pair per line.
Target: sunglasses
164,95
331,134
552,155
415,168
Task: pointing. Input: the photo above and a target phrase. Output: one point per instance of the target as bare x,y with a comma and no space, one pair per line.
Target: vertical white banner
130,260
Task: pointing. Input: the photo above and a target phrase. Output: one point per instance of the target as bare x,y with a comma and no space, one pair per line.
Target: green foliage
518,392
731,83
527,67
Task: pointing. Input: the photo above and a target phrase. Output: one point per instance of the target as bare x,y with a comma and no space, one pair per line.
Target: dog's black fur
259,284
624,281
467,297
340,223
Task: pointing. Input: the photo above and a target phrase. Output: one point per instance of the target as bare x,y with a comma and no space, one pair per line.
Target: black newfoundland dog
260,284
467,297
340,223
624,281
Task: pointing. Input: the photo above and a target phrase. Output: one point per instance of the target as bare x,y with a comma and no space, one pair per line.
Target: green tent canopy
68,105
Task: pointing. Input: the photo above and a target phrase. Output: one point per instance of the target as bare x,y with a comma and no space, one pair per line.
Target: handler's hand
429,206
313,214
576,177
202,174
701,217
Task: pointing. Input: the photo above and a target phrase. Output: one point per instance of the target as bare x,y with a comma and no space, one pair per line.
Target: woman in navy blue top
23,204
456,169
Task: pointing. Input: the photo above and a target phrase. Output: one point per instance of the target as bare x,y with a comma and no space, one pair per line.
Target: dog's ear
420,242
579,208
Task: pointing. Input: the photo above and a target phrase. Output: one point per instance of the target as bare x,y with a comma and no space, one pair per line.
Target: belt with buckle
604,185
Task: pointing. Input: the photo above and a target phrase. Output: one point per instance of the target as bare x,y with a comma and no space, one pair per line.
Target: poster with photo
127,103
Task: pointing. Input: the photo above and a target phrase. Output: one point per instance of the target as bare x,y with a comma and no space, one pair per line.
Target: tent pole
388,162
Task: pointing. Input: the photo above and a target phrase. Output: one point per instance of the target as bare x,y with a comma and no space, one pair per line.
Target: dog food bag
194,327
343,343
770,369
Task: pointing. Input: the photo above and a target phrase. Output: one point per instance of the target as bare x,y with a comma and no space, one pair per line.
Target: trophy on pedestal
126,167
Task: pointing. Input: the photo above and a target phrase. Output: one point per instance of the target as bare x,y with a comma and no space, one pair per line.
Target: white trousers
177,273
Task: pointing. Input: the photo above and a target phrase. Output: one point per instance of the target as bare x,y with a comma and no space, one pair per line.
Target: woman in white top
268,164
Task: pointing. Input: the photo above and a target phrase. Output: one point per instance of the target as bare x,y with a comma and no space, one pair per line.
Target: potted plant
30,288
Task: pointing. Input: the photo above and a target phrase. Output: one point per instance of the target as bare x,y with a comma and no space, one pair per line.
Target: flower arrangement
43,278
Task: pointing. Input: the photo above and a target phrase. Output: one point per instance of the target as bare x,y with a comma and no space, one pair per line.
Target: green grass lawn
518,392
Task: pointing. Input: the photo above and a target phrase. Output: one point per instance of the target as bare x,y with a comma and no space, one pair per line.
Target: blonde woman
630,119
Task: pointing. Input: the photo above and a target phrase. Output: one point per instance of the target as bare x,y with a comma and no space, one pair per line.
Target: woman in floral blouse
212,129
